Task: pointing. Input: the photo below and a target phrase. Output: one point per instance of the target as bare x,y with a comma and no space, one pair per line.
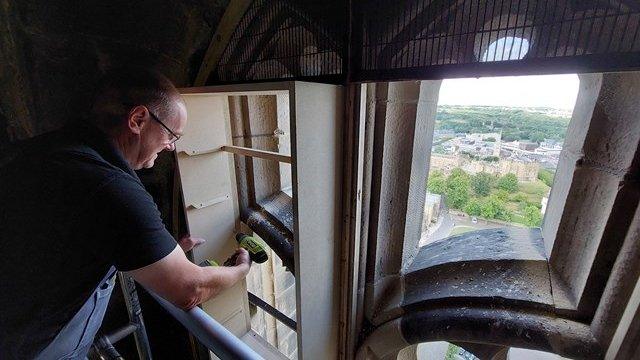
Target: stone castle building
523,171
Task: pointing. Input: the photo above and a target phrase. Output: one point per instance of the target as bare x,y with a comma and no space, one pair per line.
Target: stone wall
523,171
272,283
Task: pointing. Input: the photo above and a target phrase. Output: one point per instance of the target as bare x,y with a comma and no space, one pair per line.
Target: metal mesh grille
421,39
424,34
286,39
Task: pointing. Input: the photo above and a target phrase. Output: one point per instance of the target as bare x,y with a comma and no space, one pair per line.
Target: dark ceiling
52,52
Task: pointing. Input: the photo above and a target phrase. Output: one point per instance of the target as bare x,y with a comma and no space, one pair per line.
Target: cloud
554,91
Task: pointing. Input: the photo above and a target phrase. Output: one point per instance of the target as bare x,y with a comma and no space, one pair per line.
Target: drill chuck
256,247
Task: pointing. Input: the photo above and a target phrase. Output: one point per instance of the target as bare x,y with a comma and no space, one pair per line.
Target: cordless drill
256,247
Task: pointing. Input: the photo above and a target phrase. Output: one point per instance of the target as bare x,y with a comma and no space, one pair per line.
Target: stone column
595,188
404,118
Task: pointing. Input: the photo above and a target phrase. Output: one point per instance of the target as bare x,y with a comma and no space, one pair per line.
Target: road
447,222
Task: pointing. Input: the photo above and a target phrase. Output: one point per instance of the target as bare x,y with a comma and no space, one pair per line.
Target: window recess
568,287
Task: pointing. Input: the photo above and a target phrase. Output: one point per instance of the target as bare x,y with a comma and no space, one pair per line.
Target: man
73,211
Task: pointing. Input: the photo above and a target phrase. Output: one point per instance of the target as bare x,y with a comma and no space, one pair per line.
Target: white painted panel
203,175
206,127
216,224
208,184
316,122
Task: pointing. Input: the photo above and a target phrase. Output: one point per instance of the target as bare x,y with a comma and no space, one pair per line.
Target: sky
554,91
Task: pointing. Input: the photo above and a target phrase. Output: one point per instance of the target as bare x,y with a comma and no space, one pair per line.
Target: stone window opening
562,273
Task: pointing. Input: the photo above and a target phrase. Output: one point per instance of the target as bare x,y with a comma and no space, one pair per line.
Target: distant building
432,206
524,171
528,146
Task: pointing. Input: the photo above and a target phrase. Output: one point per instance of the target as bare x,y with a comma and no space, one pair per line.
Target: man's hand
186,284
243,260
188,242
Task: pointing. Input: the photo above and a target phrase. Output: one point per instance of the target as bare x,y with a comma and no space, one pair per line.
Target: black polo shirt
70,208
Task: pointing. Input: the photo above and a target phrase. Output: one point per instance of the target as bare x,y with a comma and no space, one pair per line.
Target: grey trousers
76,337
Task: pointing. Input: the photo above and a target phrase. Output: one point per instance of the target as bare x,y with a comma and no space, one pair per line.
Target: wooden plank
262,347
205,131
227,25
210,202
316,122
284,138
262,154
266,88
350,272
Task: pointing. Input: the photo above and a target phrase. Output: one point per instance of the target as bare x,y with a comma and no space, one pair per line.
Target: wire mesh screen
429,38
421,39
286,39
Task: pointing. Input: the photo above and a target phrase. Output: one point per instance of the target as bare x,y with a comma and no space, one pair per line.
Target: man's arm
185,284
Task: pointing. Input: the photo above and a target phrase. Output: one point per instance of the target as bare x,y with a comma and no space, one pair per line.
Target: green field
461,230
534,190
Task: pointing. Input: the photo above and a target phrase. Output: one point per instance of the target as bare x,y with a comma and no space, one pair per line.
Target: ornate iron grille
430,39
286,39
436,38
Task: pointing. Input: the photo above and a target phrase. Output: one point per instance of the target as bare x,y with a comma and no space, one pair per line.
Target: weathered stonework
596,185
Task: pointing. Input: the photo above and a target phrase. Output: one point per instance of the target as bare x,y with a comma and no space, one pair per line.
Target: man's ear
136,119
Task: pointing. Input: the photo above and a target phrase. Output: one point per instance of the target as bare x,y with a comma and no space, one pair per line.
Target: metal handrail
209,332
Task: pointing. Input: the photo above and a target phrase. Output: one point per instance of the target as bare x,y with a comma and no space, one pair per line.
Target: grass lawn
461,230
518,218
534,190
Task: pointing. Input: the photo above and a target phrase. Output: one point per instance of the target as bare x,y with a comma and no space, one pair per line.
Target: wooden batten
260,154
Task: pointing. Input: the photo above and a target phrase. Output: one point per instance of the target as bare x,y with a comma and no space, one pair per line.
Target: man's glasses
174,137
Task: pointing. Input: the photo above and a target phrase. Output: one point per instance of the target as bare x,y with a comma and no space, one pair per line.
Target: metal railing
209,332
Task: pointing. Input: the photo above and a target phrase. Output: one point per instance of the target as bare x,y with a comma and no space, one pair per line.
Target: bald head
141,112
121,89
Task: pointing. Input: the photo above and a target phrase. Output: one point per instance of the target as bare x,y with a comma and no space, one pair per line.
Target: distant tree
505,215
482,183
501,195
519,197
509,182
491,158
458,184
490,139
436,183
516,124
490,207
473,207
537,137
532,216
470,155
546,177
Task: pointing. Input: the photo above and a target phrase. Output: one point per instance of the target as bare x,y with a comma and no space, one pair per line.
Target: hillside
534,124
